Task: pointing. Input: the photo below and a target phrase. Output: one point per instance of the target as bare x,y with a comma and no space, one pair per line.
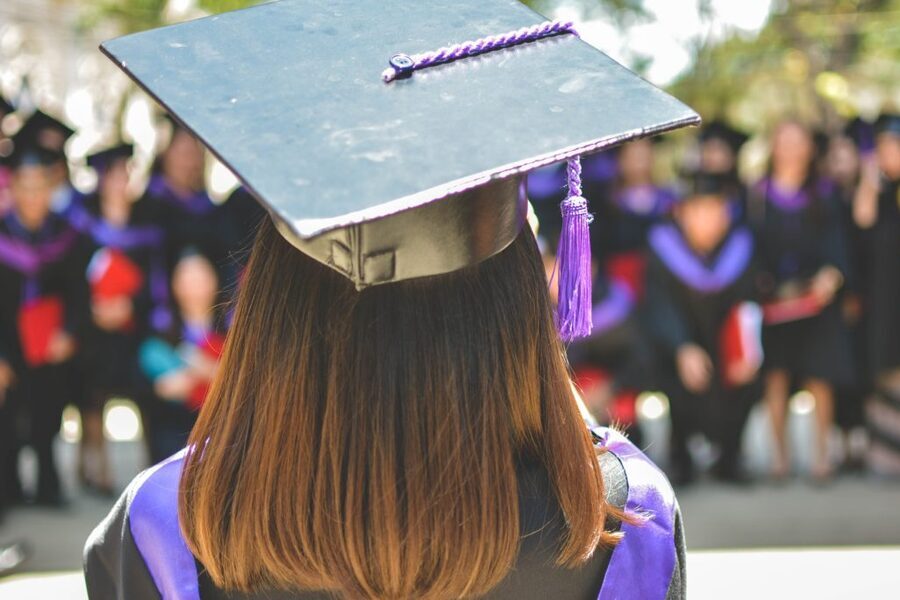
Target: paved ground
854,511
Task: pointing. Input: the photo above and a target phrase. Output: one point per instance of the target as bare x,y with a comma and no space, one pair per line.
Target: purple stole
197,203
613,308
791,201
640,568
28,259
732,260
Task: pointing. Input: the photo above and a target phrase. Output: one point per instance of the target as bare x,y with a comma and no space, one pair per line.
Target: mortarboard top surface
289,95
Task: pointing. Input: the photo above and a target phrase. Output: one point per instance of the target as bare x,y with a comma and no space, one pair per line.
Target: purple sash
640,568
29,259
613,309
732,260
197,203
642,564
153,520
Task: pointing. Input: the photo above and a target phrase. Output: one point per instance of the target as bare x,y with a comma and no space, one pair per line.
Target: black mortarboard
390,180
702,183
720,130
100,161
48,132
888,123
26,150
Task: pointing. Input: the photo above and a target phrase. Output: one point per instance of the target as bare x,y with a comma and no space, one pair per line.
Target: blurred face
843,159
716,156
114,183
32,192
194,285
636,161
705,221
183,161
792,147
887,150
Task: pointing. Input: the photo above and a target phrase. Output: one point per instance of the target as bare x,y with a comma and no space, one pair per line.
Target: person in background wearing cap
52,134
877,211
129,293
181,360
42,302
393,416
704,318
803,257
720,146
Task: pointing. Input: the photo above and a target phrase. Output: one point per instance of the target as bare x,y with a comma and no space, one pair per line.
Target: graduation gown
128,261
623,217
798,233
138,551
42,291
883,282
689,300
188,221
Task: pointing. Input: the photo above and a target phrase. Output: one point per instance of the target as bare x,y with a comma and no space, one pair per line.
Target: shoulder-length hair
366,443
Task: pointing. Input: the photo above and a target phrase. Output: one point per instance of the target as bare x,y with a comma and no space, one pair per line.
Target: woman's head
182,161
636,162
195,284
114,182
792,147
367,442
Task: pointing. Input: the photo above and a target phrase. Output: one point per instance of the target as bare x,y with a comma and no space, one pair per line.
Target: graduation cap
100,161
27,150
888,123
48,132
410,171
720,130
702,183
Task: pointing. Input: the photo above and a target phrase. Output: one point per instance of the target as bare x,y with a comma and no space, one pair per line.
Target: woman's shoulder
137,551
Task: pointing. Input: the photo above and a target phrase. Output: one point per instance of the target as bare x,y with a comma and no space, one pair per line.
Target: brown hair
366,443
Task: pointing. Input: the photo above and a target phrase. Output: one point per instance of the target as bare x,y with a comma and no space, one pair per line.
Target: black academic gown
192,221
110,357
58,259
883,282
650,564
798,233
688,300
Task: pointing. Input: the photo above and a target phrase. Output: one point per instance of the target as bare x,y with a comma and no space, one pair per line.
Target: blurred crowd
715,292
113,293
722,293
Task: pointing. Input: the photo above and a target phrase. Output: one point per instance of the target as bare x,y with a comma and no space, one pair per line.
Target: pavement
759,542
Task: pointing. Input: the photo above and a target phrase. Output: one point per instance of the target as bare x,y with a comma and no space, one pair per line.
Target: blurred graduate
704,318
43,303
128,284
802,249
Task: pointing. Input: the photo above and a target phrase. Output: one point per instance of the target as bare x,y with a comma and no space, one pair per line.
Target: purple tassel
573,259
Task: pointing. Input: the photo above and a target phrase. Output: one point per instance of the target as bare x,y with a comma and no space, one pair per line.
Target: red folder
784,310
212,347
39,320
112,274
740,341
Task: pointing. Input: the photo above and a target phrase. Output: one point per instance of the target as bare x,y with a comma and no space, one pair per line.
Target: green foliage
817,60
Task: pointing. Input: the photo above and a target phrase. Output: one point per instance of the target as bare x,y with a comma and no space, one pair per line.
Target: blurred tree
819,60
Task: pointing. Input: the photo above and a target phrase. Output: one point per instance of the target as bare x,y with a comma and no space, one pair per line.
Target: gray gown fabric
115,570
